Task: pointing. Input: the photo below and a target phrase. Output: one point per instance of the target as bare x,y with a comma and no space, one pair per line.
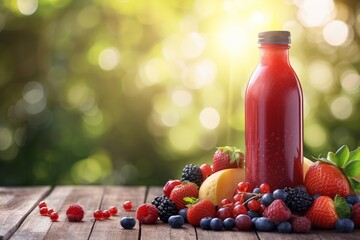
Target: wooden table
20,218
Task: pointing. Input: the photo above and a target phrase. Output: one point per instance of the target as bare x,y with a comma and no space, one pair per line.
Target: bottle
274,117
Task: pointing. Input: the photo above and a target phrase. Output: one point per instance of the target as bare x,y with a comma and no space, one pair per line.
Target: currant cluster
104,215
45,211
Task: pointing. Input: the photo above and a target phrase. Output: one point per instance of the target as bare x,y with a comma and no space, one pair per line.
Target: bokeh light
108,92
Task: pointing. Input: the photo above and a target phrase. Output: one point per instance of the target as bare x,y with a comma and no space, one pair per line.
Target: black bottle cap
274,37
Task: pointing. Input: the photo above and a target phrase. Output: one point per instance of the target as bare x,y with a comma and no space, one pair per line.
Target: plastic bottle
274,117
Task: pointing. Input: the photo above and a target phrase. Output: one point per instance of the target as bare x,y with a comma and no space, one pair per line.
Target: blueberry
264,224
344,225
267,199
253,221
127,222
284,227
253,214
176,221
216,224
229,223
316,196
248,195
205,223
280,194
256,190
183,213
353,199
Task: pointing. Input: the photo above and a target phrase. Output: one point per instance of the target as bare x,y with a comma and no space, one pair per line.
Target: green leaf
355,155
352,168
342,156
342,207
355,185
325,161
190,201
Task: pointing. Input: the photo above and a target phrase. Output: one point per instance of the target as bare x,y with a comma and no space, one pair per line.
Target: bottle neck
274,54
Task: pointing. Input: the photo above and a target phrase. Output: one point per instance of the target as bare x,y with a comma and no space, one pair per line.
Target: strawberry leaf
342,207
325,161
355,155
355,184
352,168
190,201
342,156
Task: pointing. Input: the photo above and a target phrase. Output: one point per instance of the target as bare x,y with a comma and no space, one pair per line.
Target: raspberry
277,211
113,211
147,213
127,205
301,225
54,216
75,213
356,214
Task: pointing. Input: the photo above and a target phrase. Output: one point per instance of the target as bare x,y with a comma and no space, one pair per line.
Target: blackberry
297,199
192,173
166,207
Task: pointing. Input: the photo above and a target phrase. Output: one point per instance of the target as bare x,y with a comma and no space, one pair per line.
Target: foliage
129,92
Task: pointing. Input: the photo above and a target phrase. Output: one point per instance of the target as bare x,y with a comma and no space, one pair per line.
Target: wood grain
333,235
15,204
115,196
225,235
89,197
36,226
291,236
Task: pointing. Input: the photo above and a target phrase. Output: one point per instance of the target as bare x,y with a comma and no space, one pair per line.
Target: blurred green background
129,91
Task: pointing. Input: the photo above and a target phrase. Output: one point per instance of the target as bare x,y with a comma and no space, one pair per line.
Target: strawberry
198,210
75,213
227,157
356,214
324,212
277,211
186,189
147,213
335,174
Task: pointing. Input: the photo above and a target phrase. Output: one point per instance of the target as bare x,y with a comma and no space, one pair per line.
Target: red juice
274,117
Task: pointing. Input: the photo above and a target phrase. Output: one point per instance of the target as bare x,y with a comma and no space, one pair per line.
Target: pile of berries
45,211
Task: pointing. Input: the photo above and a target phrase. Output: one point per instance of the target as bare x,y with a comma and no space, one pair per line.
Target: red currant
239,197
253,205
243,186
225,202
98,214
44,211
261,209
54,216
50,211
239,209
264,188
42,204
169,186
106,214
205,170
127,205
113,211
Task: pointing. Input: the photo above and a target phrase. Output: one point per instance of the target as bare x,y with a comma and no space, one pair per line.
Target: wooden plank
288,236
36,226
115,196
225,235
162,230
15,204
333,235
89,197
